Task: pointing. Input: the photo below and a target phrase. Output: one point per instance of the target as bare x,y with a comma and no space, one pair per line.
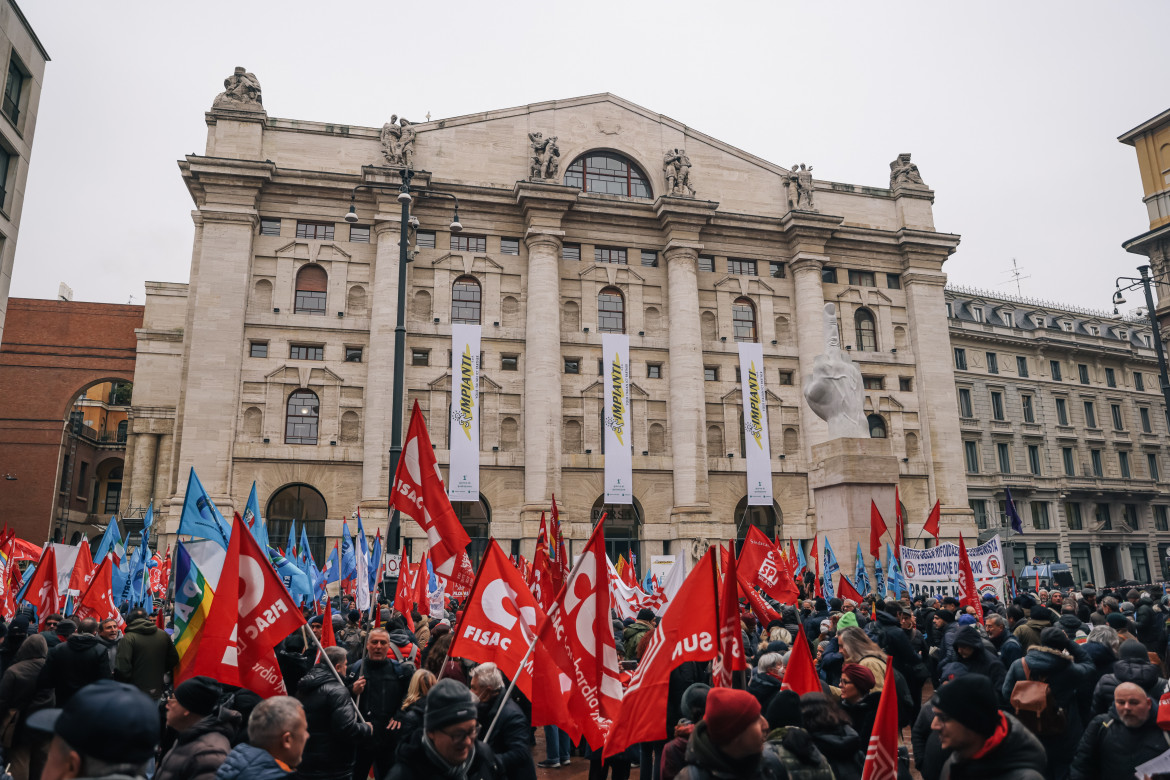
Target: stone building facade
629,221
1063,407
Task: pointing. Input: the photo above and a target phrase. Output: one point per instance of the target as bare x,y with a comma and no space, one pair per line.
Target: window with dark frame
785,378
873,382
258,349
353,354
420,357
359,234
960,358
1095,460
509,246
318,231
609,254
905,384
269,226
743,320
1061,412
1034,459
828,275
1110,378
649,258
311,293
706,263
1004,454
306,352
13,88
301,418
1152,466
1090,415
710,373
862,278
1118,422
971,453
465,300
611,311
1072,516
1022,365
653,370
1066,457
992,363
570,251
1026,406
572,366
866,328
1144,413
996,405
509,362
1123,464
741,267
894,281
424,239
1054,369
465,243
776,270
1083,372
1139,382
1161,518
607,173
965,408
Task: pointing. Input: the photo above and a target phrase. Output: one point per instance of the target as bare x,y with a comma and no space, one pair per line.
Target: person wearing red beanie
729,740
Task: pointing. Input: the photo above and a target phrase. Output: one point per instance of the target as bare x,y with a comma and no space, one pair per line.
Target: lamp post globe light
405,197
1144,282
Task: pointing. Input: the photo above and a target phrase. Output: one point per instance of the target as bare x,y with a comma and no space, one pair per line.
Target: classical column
810,338
1098,564
542,369
143,468
688,410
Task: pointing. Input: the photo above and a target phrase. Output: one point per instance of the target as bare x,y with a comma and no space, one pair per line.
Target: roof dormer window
977,313
1068,326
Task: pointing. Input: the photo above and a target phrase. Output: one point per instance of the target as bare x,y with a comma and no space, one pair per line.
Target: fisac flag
616,419
688,631
419,493
463,484
97,600
250,615
755,424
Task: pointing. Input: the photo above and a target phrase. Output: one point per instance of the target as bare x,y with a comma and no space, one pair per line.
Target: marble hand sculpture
834,389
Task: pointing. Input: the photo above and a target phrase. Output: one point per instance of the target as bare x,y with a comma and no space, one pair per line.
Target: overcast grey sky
1011,110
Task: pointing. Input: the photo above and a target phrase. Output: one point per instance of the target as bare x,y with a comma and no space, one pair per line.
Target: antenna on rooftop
1017,274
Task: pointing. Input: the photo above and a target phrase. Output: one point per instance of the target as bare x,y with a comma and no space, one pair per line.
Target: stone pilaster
688,440
143,468
810,339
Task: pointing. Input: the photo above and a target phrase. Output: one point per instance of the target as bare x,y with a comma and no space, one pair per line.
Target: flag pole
333,669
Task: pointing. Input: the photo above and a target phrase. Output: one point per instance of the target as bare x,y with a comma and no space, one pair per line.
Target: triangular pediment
877,296
467,263
485,384
323,376
286,374
609,273
313,251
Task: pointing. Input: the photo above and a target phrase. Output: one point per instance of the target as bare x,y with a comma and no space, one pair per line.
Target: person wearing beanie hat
975,655
812,623
790,743
859,697
1121,623
984,742
693,707
351,637
205,731
447,745
632,635
847,619
1133,665
1028,632
729,741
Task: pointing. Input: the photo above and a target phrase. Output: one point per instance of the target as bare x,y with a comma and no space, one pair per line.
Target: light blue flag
200,517
860,574
348,559
29,573
290,547
148,521
375,563
295,581
879,576
831,568
801,559
332,567
896,583
254,521
111,539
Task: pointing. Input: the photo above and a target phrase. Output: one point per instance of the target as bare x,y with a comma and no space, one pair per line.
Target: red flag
43,586
405,591
687,632
250,615
542,578
898,522
419,493
881,757
818,586
764,613
629,577
461,578
83,569
730,656
845,590
560,558
22,550
764,566
877,527
541,547
328,638
800,675
969,594
793,558
421,597
97,600
931,526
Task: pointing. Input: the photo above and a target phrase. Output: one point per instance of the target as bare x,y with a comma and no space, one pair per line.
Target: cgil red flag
765,566
328,638
968,593
899,521
43,587
877,527
881,757
97,599
801,675
688,631
729,657
764,613
931,526
419,493
83,569
250,615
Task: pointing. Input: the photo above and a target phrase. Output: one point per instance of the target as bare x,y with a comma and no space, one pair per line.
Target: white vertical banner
755,425
463,482
619,479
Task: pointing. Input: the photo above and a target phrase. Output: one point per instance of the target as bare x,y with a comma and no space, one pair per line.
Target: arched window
611,311
608,173
476,518
877,426
301,420
122,426
306,506
743,318
312,282
767,519
866,331
465,300
622,525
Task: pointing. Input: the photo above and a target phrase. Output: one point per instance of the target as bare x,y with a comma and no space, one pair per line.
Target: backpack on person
1035,706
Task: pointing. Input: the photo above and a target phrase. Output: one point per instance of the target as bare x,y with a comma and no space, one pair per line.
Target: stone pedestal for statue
847,474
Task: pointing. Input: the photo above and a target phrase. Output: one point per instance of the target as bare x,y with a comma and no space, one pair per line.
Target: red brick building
53,351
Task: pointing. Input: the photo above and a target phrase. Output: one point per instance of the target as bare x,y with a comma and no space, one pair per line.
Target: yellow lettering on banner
466,397
618,402
754,397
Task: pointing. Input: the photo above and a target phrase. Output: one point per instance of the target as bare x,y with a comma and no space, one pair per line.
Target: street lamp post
393,533
1119,299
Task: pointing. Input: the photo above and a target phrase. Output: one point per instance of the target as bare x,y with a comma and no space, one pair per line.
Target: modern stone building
24,59
1062,406
274,364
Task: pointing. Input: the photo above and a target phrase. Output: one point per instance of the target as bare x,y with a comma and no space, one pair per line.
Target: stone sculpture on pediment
834,390
676,167
241,91
904,173
545,163
799,183
398,142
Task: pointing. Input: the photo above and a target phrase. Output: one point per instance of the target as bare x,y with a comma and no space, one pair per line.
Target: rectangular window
1054,369
1118,423
1039,516
1094,330
737,377
259,349
1095,458
269,226
5,164
1110,378
785,378
960,358
609,254
992,363
741,267
653,370
950,311
1061,412
1141,565
979,507
996,405
572,366
353,354
309,302
861,278
828,275
600,366
706,263
424,239
359,234
1029,412
114,493
1072,516
1161,523
81,479
1123,464
1066,456
710,374
977,313
776,270
1131,519
971,451
894,281
905,383
318,231
570,251
465,243
509,362
1048,553
874,382
1083,372
1152,466
1007,317
1139,382
1004,453
420,357
305,352
13,89
1022,366
1082,562
649,259
509,246
1034,459
965,409
1090,415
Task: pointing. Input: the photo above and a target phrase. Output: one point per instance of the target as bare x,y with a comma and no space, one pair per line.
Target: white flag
463,482
616,419
755,425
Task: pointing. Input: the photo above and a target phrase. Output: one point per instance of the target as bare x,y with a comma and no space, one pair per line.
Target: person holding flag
146,654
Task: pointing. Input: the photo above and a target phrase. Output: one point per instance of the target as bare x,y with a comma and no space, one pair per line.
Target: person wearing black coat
509,737
766,681
1133,666
446,745
1118,741
76,662
888,633
838,741
386,684
977,657
929,754
334,728
812,623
